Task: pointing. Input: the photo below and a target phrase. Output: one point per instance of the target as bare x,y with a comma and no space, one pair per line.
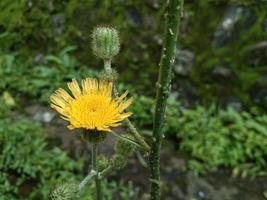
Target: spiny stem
163,88
136,134
95,168
92,175
87,179
105,171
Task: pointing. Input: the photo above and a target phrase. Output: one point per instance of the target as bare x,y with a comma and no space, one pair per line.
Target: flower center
92,110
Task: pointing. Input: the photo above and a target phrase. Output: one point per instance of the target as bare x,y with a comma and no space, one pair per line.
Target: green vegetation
45,30
224,138
42,46
234,55
206,134
35,82
28,167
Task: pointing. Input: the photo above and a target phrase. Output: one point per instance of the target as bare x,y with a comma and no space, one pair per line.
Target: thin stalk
93,174
87,179
136,134
107,66
95,168
163,87
105,172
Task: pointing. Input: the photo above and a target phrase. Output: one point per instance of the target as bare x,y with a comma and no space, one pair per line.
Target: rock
133,16
187,93
183,62
30,4
154,3
45,117
258,93
236,19
185,23
264,25
40,59
40,113
257,55
157,39
199,189
150,22
58,24
222,73
233,102
50,6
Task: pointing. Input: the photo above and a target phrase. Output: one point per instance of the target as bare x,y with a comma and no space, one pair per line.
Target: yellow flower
92,106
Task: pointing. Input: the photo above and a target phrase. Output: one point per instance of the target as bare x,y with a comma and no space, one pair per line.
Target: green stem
95,168
87,179
107,66
105,171
163,88
136,134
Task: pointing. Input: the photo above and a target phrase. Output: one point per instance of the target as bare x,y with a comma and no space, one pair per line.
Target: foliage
45,28
121,190
144,106
213,137
111,190
36,82
224,138
28,168
37,56
234,55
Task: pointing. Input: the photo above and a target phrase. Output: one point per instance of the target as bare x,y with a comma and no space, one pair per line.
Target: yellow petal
57,100
74,88
125,104
122,97
63,94
60,110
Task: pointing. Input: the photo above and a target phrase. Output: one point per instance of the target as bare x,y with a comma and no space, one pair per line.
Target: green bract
65,191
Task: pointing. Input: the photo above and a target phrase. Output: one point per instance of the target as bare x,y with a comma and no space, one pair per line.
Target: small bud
106,43
65,191
119,161
102,162
123,150
124,147
113,76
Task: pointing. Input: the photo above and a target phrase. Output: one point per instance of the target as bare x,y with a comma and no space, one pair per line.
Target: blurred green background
216,120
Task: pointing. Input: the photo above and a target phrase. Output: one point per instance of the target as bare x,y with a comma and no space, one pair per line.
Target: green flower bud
123,150
119,161
125,147
92,136
65,191
106,43
102,162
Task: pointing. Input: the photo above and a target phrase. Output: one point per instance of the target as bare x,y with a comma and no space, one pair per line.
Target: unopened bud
106,43
65,191
123,150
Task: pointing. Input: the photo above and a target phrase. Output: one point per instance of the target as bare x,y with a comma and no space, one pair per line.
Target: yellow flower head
92,106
